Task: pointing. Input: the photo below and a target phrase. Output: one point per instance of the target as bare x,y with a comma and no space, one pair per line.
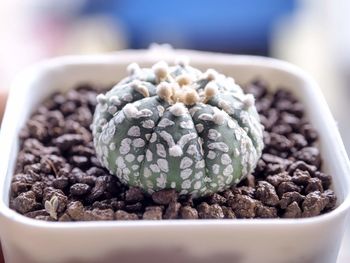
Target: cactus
177,127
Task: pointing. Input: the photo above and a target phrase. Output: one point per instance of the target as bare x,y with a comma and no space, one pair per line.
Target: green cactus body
176,127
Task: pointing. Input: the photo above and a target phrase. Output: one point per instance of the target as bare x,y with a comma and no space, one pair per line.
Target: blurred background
313,34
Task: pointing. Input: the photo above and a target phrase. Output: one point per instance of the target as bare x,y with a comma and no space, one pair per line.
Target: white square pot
306,240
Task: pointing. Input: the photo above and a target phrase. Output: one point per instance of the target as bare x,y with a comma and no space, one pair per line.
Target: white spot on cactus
186,138
231,124
148,124
200,164
105,138
134,131
127,97
213,134
114,100
186,184
147,172
213,185
207,179
111,128
216,168
126,171
173,185
199,127
161,150
198,175
149,156
178,109
153,138
130,111
163,165
184,174
112,146
120,162
165,123
238,134
229,179
138,143
211,155
119,118
144,113
186,124
112,109
228,170
219,117
205,117
140,158
225,159
125,146
155,168
185,162
167,137
101,98
161,181
221,146
225,105
197,185
192,149
175,151
160,110
130,157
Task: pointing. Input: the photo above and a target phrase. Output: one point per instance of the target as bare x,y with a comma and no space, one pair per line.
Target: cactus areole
176,127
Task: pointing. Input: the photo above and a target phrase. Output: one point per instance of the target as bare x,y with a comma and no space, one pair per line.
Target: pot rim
25,78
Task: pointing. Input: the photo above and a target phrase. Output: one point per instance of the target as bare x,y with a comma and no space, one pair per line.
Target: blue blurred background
226,26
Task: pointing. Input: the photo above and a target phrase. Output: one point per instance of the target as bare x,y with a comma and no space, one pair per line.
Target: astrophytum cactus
176,127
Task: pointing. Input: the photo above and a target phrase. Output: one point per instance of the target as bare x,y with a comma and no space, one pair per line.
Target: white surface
289,240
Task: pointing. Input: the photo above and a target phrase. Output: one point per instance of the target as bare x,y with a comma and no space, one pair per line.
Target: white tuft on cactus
183,80
160,69
210,74
176,127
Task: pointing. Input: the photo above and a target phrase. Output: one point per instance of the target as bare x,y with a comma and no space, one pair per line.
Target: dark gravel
57,169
